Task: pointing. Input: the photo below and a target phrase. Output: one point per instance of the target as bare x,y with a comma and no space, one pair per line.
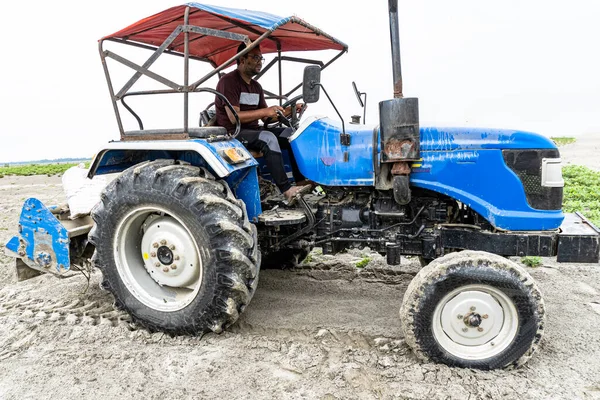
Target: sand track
327,330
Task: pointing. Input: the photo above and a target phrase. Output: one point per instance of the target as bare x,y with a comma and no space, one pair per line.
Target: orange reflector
234,155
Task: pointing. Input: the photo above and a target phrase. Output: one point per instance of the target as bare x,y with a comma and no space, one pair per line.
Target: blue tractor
181,231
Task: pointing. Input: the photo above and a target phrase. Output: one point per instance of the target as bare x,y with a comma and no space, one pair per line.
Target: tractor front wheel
474,310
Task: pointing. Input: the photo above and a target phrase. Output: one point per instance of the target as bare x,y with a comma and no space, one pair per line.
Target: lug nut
465,329
163,242
459,316
155,245
472,308
172,247
157,264
480,329
166,269
485,316
176,257
174,266
153,254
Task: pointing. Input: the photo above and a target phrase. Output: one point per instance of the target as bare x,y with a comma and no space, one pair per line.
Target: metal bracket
345,139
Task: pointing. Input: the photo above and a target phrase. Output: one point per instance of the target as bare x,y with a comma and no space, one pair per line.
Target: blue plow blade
43,241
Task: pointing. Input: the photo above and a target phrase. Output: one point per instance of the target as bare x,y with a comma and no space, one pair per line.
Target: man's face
252,62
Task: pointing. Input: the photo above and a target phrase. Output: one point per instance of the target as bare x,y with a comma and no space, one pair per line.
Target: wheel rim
158,259
475,322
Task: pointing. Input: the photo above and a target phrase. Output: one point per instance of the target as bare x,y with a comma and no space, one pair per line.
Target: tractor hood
448,139
447,156
322,158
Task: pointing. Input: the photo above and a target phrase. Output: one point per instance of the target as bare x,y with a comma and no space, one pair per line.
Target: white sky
531,65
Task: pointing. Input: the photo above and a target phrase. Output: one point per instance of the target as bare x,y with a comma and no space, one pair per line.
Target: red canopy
291,33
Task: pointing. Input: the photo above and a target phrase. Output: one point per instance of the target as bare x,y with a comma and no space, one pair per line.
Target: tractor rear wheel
474,310
175,248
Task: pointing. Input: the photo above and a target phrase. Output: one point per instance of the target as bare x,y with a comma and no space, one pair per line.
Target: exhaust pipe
399,124
395,41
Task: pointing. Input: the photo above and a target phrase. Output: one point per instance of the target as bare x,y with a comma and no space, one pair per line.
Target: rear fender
227,159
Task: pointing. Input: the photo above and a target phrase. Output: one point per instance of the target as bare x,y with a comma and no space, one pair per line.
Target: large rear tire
474,310
175,248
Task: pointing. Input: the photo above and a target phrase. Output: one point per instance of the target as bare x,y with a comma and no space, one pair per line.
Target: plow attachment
48,241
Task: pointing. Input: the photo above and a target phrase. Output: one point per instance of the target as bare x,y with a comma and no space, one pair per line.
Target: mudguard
226,159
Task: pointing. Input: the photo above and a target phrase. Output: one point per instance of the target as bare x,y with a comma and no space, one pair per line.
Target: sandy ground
327,330
585,151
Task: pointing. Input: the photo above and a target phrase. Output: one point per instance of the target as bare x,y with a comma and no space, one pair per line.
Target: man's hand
271,112
268,115
288,110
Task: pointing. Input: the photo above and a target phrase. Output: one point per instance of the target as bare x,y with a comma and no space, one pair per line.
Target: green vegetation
532,261
37,169
308,259
364,262
582,191
562,140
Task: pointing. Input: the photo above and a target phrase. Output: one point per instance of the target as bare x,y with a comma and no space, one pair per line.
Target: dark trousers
270,143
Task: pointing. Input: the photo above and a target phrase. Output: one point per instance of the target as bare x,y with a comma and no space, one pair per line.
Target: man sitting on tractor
248,99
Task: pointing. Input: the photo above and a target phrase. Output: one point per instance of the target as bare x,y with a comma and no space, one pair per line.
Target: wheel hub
168,252
164,255
472,318
475,322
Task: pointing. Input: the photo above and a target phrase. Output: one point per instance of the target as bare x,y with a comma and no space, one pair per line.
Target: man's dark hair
241,47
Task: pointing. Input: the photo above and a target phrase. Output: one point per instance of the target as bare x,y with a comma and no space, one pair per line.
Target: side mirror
357,93
311,84
360,101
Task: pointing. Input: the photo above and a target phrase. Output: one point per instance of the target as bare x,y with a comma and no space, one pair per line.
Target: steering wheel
294,119
282,119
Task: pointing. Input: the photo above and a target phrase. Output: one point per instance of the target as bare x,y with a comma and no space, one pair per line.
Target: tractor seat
207,131
178,133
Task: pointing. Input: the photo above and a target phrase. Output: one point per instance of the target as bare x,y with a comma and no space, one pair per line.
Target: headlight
552,173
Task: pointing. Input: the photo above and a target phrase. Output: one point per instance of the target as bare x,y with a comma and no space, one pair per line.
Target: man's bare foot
292,192
306,182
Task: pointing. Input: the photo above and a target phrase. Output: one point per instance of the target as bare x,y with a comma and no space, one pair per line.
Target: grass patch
582,191
308,259
364,262
562,140
38,169
532,261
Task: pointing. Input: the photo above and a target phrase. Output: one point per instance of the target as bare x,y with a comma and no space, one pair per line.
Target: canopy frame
186,87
